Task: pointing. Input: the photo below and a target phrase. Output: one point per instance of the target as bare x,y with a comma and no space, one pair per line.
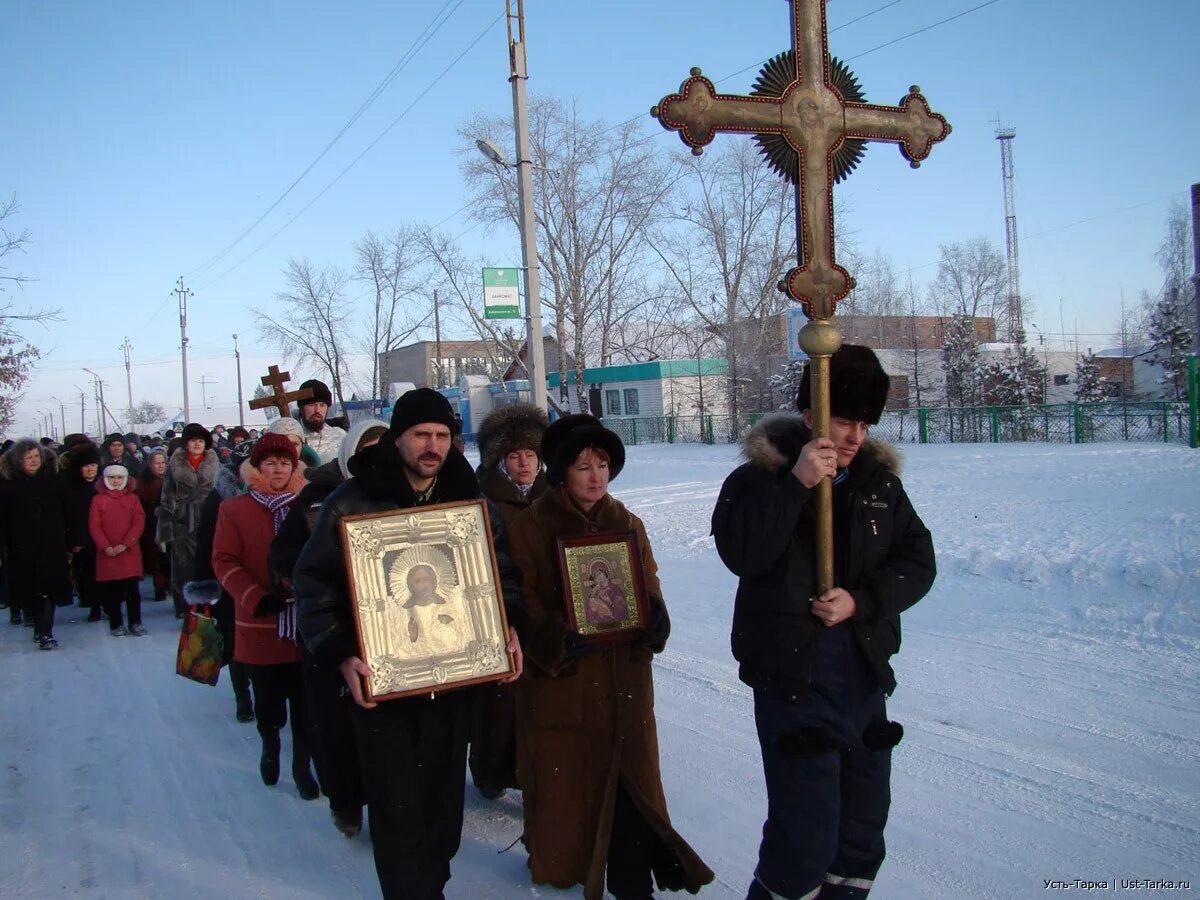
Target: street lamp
535,356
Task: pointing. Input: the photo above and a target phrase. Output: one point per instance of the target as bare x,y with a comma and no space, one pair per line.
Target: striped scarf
277,505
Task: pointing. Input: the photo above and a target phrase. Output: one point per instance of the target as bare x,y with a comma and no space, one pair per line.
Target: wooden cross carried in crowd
809,118
279,398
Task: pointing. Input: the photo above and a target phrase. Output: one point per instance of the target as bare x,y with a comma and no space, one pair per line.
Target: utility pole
1196,266
128,348
437,337
183,294
1005,137
101,411
82,412
535,356
238,356
205,381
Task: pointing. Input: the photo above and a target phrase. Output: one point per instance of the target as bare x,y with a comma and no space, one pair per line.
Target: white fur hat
116,471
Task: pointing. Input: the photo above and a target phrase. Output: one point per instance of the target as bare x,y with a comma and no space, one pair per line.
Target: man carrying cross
818,661
817,526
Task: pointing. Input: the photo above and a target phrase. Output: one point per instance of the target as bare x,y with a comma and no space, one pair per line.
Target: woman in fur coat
511,475
34,529
155,563
80,469
189,478
587,742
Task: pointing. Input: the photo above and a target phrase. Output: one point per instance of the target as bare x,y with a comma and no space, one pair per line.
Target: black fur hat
858,386
569,436
320,392
516,427
82,455
194,431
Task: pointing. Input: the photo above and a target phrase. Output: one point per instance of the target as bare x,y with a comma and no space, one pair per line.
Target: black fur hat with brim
194,431
569,436
858,386
519,426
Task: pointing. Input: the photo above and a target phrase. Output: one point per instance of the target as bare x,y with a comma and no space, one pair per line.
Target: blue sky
141,139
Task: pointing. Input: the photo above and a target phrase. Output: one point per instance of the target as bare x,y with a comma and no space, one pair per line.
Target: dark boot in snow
268,763
302,774
348,822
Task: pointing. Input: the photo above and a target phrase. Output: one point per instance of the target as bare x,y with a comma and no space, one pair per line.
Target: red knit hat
272,445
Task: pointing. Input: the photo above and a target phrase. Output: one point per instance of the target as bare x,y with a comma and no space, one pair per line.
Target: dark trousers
239,678
413,754
630,851
41,608
493,757
83,568
277,689
828,792
114,593
334,749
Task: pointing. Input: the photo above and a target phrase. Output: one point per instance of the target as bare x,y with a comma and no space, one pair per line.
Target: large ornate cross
279,398
812,123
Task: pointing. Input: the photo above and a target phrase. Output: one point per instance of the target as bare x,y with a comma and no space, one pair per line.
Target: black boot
240,680
302,774
348,822
268,764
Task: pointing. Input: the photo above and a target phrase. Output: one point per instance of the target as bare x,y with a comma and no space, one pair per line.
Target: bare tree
726,247
148,413
312,320
17,355
456,276
972,280
597,189
389,264
1175,252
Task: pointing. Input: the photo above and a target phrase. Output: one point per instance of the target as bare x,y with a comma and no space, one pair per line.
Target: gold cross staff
279,398
816,122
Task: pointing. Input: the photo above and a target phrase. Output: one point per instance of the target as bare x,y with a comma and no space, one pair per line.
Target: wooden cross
820,119
279,398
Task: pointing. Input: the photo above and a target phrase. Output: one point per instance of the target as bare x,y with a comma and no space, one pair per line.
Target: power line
924,29
417,45
365,151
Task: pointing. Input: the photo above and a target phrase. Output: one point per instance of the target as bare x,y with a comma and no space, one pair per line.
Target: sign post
501,294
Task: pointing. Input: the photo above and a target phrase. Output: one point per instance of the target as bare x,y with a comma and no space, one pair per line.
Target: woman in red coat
264,613
115,522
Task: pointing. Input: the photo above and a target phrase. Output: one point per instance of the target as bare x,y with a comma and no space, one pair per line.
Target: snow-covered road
1049,687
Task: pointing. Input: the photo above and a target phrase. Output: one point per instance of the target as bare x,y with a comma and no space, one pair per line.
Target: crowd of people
251,526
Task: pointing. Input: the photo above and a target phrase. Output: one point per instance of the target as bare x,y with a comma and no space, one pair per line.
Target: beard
316,423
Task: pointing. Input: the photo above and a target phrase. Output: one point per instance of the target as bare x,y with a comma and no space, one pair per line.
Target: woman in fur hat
34,529
80,473
819,664
115,523
191,471
511,475
155,563
587,743
264,611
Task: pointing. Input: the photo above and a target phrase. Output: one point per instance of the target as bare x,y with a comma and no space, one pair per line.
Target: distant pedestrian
155,563
80,473
33,536
116,522
189,478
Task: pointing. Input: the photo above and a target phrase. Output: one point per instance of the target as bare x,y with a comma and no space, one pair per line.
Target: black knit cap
115,437
420,405
320,392
193,431
569,436
858,386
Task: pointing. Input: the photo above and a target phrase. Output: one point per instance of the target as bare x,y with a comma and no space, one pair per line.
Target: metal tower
1005,137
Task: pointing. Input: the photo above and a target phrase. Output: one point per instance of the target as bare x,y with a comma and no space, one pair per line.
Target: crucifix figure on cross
279,398
811,122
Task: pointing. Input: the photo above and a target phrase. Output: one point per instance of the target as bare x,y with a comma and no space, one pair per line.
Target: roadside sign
501,293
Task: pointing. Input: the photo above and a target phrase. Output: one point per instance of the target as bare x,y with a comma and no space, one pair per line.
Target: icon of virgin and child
605,601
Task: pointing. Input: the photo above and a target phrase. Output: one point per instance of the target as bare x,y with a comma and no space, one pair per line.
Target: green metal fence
1162,421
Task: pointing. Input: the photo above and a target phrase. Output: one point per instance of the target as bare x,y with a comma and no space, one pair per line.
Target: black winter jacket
763,526
296,529
379,484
